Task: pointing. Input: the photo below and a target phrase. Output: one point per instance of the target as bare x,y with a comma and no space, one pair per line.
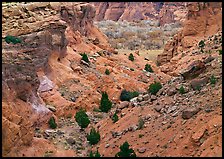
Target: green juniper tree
82,118
125,151
105,103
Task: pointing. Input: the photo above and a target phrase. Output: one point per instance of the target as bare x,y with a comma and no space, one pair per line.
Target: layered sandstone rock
44,29
164,12
203,19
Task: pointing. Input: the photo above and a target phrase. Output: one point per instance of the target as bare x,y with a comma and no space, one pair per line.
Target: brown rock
188,113
193,70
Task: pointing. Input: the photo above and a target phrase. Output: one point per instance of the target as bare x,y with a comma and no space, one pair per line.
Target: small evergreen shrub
201,44
85,58
115,118
125,151
82,118
154,87
131,57
107,72
181,90
140,123
127,95
213,80
140,135
105,103
52,123
94,154
148,68
220,52
12,39
93,137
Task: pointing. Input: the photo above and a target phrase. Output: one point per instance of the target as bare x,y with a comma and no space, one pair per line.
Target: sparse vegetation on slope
154,87
148,68
52,123
85,58
105,103
93,137
82,118
125,151
127,95
131,57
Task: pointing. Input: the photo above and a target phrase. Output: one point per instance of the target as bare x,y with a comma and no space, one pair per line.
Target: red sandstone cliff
203,19
46,30
165,12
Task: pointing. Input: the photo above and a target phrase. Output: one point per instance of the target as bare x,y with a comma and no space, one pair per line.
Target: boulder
141,150
193,70
171,91
51,108
189,112
123,105
70,141
196,83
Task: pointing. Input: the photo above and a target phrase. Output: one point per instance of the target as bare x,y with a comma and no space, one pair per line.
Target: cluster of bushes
144,34
127,95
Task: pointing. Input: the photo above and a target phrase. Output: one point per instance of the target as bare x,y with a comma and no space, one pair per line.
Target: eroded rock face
203,19
45,29
164,12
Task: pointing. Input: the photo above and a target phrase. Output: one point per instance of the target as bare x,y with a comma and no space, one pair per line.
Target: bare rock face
203,19
164,12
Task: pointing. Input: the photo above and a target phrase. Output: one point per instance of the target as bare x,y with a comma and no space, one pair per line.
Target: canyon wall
203,19
164,12
46,29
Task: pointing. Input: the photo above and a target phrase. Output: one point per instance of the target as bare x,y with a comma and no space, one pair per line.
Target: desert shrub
125,151
140,123
82,118
148,68
181,90
105,103
115,117
213,80
201,44
154,87
107,72
12,39
140,135
131,57
131,69
93,137
127,95
52,123
94,154
220,52
85,58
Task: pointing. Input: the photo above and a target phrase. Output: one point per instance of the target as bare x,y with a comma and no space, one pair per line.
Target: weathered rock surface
164,12
206,17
